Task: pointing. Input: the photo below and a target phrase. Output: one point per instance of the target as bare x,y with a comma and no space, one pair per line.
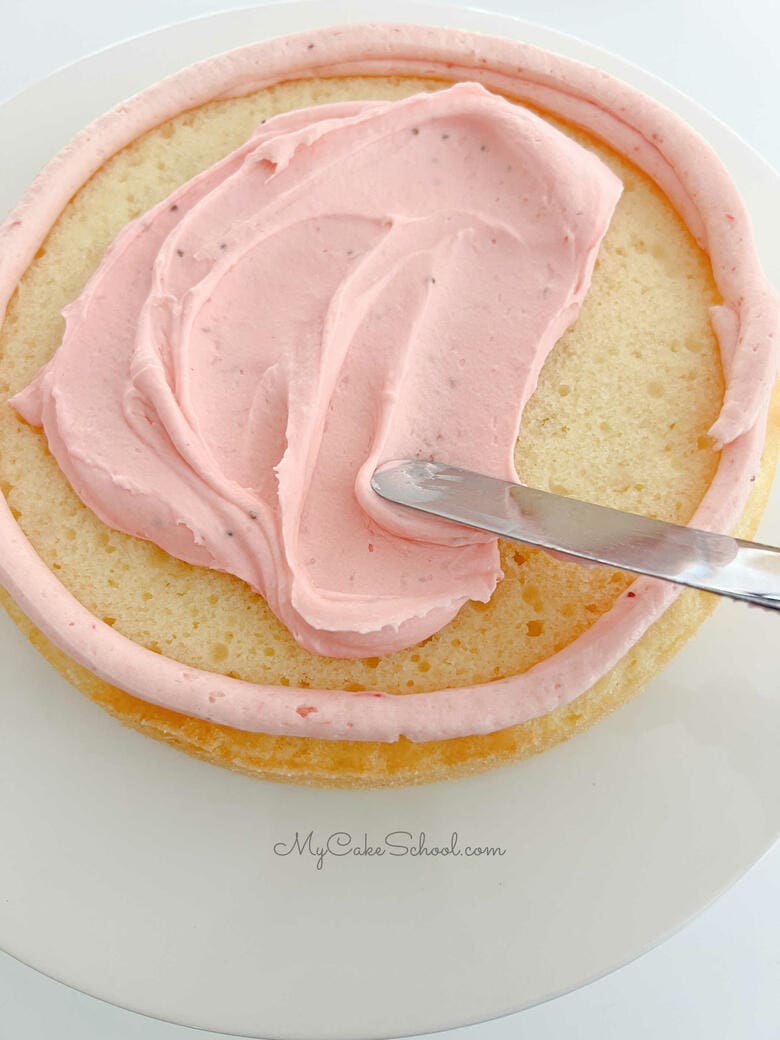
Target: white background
720,978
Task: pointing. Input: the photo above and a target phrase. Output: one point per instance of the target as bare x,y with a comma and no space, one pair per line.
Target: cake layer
620,416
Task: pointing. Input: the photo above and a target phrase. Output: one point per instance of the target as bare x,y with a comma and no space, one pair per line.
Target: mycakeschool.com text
398,844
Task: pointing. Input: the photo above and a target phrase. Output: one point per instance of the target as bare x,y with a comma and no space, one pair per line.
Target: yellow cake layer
619,417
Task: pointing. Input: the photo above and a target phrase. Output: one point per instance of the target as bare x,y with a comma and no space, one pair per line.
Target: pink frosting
679,161
356,284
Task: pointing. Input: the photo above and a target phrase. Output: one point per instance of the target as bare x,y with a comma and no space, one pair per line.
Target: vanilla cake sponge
620,417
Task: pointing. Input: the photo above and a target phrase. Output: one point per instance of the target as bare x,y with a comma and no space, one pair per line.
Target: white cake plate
145,878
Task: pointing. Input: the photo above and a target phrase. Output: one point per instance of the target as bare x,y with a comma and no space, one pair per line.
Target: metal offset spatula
683,555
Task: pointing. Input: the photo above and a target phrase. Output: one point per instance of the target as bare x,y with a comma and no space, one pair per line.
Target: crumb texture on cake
620,417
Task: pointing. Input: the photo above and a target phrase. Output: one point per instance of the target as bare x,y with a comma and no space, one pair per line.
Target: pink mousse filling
358,283
235,443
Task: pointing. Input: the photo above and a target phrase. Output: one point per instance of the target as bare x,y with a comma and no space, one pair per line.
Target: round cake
656,400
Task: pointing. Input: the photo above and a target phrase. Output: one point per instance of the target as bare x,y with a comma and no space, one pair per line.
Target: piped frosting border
660,143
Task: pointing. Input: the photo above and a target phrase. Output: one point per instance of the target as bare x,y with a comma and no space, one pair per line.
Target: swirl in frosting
359,282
